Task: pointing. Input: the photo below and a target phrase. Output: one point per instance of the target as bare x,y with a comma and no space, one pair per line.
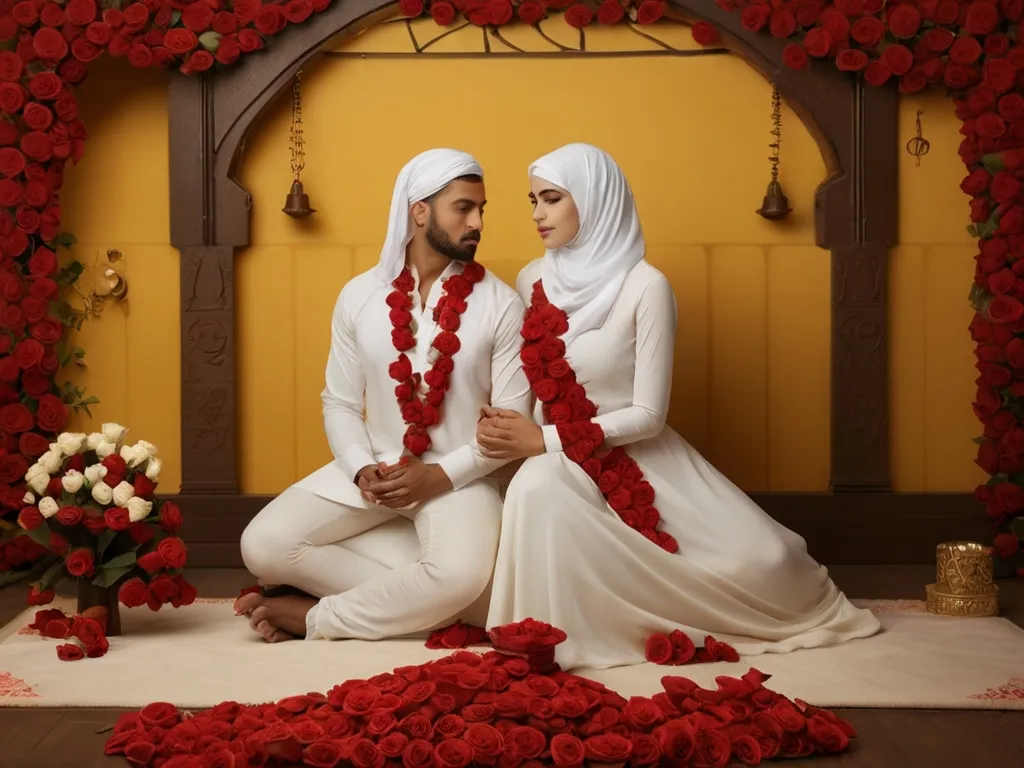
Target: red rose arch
969,47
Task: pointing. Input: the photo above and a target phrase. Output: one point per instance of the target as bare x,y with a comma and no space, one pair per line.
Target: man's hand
504,434
408,482
368,474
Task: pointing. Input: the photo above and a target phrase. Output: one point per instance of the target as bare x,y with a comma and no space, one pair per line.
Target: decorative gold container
963,581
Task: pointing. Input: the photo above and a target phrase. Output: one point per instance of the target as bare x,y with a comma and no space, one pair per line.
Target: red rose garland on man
565,404
422,413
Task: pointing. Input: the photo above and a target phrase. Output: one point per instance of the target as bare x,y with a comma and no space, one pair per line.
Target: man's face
455,219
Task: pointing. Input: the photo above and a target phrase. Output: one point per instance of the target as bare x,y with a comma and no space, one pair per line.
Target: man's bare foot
283,614
246,604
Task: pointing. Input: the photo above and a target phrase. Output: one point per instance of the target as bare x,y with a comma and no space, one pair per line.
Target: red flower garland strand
565,404
421,414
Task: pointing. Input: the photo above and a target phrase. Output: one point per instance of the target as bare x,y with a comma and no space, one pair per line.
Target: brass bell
297,203
775,206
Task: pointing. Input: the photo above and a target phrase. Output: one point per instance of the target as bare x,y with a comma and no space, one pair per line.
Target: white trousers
380,573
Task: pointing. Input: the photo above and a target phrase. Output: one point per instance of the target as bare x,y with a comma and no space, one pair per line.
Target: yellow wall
752,378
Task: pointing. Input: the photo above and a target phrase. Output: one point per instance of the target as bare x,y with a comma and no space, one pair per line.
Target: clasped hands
505,434
408,481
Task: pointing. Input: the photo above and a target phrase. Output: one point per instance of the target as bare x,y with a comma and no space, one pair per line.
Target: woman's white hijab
425,175
584,277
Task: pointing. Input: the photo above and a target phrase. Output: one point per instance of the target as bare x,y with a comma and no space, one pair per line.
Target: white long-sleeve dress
565,557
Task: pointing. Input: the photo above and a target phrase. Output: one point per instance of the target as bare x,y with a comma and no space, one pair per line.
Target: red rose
11,66
567,749
704,33
658,649
117,518
443,13
580,16
133,593
197,16
525,741
782,23
418,753
851,60
402,339
965,50
546,390
69,516
720,651
610,12
904,20
152,562
981,18
643,714
80,563
448,320
447,343
754,16
486,741
199,61
45,86
714,746
270,20
526,636
793,55
530,355
16,418
999,75
29,353
453,753
990,125
37,145
500,11
180,40
1004,188
49,43
818,42
897,59
619,499
69,652
173,551
143,486
30,518
52,414
867,31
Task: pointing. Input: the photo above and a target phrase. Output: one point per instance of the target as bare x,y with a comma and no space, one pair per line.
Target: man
398,535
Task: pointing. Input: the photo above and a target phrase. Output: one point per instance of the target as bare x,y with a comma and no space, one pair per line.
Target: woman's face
554,212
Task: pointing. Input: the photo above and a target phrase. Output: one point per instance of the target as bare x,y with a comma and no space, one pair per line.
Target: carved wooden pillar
208,453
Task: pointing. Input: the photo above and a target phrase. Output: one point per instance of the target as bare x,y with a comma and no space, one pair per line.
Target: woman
615,528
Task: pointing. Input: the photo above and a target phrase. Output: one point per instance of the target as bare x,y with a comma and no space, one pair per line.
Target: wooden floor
71,738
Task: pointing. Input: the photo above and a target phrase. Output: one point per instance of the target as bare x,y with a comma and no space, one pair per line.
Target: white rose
138,509
113,433
48,507
71,442
102,492
37,478
134,455
153,468
122,493
51,462
72,481
93,440
148,446
29,498
95,473
104,449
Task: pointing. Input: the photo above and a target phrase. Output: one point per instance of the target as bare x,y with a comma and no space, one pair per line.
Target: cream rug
201,655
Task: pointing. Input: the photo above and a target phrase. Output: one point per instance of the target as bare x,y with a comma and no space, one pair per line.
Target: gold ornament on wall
296,204
109,285
775,206
918,146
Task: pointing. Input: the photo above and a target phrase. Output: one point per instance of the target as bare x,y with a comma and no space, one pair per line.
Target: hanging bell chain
297,203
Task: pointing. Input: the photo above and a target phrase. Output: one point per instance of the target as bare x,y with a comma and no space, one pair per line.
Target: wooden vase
100,603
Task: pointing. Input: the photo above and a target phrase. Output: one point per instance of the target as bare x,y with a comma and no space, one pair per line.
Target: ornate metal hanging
297,203
775,205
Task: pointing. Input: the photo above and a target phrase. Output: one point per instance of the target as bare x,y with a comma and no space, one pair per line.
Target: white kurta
487,372
385,573
565,557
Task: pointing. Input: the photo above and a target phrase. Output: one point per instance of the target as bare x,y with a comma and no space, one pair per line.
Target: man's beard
441,242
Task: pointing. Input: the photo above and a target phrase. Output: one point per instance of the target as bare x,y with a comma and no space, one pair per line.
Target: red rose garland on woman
565,404
421,414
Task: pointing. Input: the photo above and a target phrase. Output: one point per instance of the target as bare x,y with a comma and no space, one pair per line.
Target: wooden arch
855,219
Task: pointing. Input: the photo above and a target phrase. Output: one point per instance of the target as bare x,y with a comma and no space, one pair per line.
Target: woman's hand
503,434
